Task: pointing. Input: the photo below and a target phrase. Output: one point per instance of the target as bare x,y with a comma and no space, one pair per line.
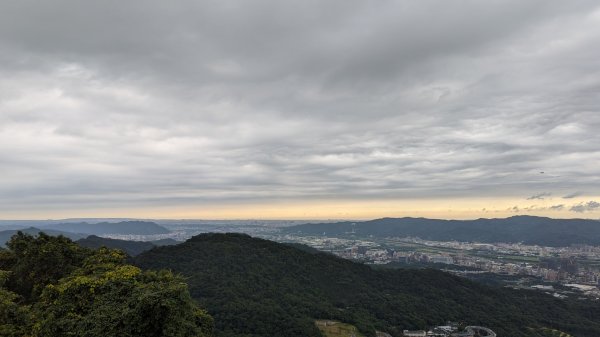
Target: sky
299,109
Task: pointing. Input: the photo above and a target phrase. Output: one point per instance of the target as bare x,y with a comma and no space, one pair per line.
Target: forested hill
526,229
132,248
7,234
255,287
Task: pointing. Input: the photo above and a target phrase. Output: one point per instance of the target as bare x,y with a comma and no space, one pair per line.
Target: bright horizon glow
461,209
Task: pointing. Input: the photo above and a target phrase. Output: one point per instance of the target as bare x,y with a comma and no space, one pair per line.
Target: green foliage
15,319
256,287
94,294
132,248
204,320
121,301
39,261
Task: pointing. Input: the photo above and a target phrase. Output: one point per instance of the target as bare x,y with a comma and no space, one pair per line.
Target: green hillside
132,248
7,234
256,287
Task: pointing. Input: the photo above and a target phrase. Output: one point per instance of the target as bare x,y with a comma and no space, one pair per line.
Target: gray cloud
540,196
573,195
198,103
536,208
585,207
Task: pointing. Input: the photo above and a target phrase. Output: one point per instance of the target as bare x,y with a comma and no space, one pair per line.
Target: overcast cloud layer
214,102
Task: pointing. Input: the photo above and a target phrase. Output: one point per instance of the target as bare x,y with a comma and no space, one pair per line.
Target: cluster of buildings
554,269
451,330
566,265
559,267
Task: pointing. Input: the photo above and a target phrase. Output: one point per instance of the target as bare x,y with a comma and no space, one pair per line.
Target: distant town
562,271
572,271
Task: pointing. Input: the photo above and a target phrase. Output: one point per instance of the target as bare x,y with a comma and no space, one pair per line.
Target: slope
256,287
132,248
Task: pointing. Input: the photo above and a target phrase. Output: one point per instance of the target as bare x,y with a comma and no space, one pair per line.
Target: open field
547,332
337,329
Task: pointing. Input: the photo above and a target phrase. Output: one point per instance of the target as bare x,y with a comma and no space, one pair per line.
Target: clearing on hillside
547,332
337,329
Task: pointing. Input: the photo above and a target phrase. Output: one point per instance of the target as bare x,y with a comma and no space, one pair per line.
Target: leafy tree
15,319
74,291
39,261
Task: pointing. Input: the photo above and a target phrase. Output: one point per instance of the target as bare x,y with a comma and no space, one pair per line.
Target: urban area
560,271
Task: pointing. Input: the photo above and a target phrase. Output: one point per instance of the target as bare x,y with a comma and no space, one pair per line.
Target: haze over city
307,110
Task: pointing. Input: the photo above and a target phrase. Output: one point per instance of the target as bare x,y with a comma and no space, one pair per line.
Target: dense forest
526,229
255,287
5,235
53,287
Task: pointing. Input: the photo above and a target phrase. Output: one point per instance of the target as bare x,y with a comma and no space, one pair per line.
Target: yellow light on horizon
445,208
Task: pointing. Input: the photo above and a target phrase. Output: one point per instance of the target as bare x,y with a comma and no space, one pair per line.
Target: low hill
526,229
132,248
7,234
255,287
104,228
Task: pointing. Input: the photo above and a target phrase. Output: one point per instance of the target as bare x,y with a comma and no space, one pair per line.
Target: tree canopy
52,287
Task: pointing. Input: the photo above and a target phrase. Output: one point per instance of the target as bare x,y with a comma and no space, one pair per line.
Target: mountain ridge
517,229
255,287
133,227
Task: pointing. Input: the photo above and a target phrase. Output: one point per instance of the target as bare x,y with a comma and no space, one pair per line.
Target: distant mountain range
103,228
525,229
256,288
76,231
